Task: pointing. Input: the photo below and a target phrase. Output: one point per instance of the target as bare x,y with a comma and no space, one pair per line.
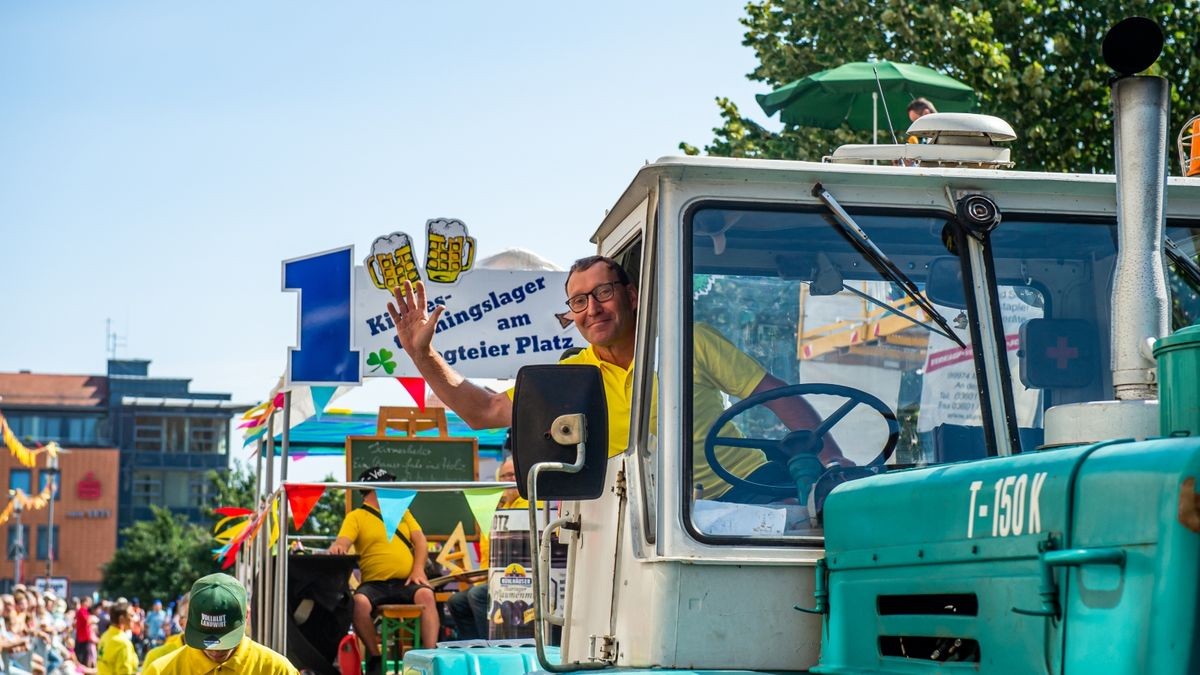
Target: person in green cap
115,654
215,638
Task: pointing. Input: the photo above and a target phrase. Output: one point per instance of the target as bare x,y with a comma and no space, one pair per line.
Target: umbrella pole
874,118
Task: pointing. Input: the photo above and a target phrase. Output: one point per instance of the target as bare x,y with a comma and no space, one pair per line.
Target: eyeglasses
601,293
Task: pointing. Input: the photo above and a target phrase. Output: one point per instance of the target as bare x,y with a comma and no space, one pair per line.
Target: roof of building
168,402
85,391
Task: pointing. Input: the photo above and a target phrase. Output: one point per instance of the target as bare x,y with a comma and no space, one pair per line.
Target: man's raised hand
414,327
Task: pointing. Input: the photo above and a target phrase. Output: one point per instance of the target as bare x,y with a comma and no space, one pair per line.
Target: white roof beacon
963,140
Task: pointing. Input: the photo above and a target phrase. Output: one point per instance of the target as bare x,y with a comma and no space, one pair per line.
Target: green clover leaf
382,359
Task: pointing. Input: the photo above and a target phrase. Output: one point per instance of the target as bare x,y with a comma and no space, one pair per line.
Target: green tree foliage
160,558
1034,63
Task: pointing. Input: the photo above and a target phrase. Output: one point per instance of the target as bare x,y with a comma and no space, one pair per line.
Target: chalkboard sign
421,458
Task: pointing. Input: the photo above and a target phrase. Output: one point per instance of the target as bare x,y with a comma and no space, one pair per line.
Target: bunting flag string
415,386
26,456
301,500
27,502
321,396
483,503
392,505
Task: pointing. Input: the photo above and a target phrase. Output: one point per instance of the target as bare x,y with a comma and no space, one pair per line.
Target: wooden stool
398,622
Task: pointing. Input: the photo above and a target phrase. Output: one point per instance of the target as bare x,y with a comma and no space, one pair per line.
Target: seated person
393,572
470,607
722,368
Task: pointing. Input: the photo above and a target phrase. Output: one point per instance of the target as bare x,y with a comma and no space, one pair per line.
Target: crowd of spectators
42,634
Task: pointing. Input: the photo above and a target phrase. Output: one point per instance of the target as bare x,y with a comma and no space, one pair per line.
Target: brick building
72,410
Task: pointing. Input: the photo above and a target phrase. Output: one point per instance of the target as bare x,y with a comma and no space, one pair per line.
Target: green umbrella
850,92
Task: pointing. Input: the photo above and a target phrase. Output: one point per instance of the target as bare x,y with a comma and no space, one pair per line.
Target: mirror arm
566,430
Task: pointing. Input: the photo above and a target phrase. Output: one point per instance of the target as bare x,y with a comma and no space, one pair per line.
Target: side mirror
944,285
542,395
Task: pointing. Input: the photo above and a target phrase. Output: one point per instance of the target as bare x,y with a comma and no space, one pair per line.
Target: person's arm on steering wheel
796,413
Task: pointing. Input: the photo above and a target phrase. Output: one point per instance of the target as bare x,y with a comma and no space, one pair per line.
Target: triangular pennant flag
321,397
415,386
301,500
392,505
483,503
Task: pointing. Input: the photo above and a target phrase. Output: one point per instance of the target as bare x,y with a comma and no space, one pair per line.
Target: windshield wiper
1182,261
879,260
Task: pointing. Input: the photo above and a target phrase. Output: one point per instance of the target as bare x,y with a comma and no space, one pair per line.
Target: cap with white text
217,613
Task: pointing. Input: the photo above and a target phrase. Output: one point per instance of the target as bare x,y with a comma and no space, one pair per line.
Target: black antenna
882,99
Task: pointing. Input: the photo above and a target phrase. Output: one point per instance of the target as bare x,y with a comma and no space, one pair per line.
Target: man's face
219,655
609,323
508,472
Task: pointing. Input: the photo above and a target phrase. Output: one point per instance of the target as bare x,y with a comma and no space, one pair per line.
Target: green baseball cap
216,614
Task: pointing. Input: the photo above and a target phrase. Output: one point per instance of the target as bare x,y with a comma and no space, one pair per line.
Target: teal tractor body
1078,560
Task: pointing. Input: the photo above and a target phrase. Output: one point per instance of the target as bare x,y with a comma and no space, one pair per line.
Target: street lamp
19,546
52,471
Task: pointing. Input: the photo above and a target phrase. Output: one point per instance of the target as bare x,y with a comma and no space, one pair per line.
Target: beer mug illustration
450,251
391,261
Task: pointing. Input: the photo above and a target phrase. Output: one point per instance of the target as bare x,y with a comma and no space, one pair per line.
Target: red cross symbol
1061,353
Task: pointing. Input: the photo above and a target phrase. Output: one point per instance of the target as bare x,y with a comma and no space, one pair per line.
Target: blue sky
159,159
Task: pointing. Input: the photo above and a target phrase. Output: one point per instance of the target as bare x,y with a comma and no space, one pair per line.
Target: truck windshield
779,297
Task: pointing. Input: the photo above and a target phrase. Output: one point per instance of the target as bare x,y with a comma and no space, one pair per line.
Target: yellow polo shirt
719,367
378,558
171,644
618,390
249,658
115,654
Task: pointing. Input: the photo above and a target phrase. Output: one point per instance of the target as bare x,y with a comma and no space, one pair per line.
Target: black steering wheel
798,442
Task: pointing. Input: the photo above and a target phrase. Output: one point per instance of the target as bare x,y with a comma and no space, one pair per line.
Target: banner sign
494,322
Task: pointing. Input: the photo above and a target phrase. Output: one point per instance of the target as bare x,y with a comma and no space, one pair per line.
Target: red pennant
301,500
232,511
415,387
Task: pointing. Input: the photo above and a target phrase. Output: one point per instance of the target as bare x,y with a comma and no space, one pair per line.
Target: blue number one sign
326,287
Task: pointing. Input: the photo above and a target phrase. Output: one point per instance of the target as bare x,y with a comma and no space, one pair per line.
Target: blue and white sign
495,321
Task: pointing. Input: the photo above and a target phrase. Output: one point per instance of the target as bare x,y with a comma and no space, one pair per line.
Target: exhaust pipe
1139,296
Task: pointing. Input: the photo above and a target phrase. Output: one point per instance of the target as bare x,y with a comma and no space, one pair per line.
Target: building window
198,489
147,488
148,433
176,489
207,436
44,478
176,434
43,542
20,479
12,541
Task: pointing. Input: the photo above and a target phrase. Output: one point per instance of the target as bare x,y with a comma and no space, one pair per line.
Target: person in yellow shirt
174,641
470,607
115,652
603,301
393,571
214,639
